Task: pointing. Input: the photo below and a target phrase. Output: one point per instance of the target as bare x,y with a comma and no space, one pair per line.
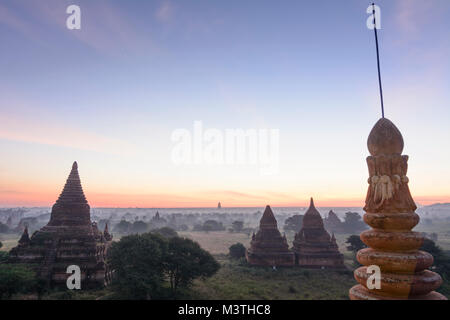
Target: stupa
313,245
390,211
268,247
69,238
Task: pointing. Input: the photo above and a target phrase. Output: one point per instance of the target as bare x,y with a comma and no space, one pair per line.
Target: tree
3,256
186,261
166,232
237,226
293,223
15,279
441,262
139,227
4,228
237,251
354,245
137,264
123,227
1,244
353,223
213,225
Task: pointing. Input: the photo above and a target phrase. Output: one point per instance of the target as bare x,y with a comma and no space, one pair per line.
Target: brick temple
268,247
313,245
69,238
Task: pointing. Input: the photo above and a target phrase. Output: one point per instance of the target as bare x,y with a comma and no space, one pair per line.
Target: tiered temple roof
70,238
268,247
313,246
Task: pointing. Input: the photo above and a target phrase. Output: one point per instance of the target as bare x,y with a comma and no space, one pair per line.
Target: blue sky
110,95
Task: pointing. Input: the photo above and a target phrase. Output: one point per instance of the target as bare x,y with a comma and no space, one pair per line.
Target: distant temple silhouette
69,238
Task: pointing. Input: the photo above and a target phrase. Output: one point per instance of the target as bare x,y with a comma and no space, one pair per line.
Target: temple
313,245
390,211
69,238
268,247
333,224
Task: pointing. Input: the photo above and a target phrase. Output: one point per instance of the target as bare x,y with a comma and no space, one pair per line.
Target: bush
16,279
237,251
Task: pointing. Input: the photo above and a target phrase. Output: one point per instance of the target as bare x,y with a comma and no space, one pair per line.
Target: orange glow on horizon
47,199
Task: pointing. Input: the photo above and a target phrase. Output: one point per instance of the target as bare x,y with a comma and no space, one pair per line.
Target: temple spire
72,192
25,238
268,219
71,207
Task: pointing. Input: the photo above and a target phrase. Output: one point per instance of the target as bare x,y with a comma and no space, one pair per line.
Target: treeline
352,223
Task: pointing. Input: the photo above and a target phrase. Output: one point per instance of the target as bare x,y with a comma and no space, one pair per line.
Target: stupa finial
385,138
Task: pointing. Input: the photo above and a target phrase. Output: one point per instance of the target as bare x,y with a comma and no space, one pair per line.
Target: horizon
119,94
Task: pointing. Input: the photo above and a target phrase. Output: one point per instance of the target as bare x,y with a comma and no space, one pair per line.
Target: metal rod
378,59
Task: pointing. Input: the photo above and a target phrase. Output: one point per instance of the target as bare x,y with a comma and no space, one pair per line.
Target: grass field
9,241
237,280
217,242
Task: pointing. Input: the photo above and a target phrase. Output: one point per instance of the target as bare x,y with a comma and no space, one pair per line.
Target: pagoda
268,247
313,245
390,211
69,238
333,223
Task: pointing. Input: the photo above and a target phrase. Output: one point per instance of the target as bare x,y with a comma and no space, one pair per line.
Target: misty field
9,241
217,242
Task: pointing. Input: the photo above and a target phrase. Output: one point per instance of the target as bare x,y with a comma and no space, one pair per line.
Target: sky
112,94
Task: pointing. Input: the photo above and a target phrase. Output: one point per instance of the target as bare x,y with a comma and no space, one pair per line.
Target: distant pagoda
313,245
390,211
69,238
219,206
332,223
268,247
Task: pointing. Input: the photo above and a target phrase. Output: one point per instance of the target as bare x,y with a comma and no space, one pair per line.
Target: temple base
281,259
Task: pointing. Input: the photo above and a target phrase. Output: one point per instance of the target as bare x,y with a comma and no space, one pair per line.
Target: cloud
412,17
59,134
165,11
